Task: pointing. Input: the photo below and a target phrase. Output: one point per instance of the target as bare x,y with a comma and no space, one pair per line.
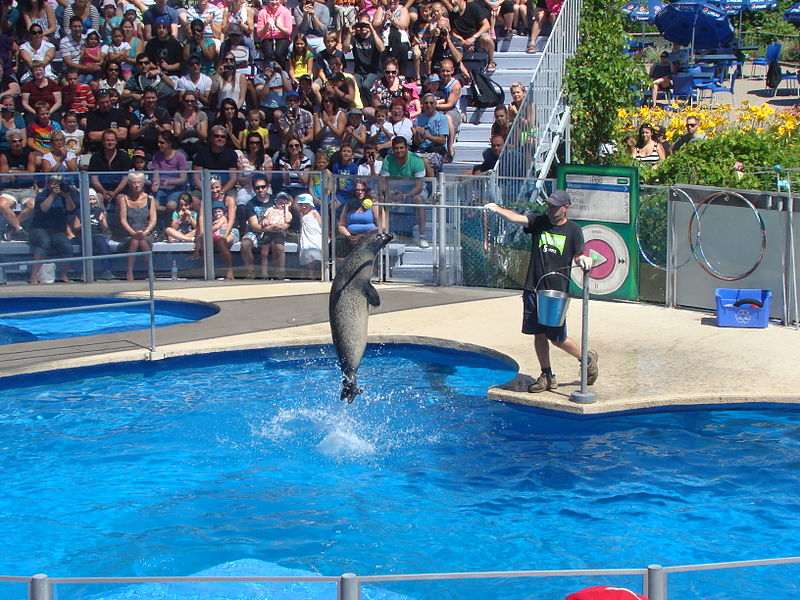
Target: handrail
90,259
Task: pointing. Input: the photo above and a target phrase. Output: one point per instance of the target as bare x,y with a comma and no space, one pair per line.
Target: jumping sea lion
351,295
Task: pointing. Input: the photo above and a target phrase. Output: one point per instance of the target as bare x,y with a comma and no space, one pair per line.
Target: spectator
228,83
240,13
380,132
88,14
647,149
9,16
76,96
404,164
357,221
310,256
254,158
391,20
312,19
293,163
451,91
17,165
137,219
169,168
319,183
113,77
372,163
40,13
329,125
470,25
61,160
296,122
70,46
271,89
73,136
91,57
211,16
224,233
40,89
421,38
323,57
301,59
98,221
242,48
661,75
430,133
541,16
109,159
266,229
443,46
342,86
502,122
344,13
367,47
197,82
399,123
52,211
200,46
490,155
190,125
38,51
102,118
158,10
41,128
274,31
165,52
150,75
411,102
356,131
108,21
389,87
692,134
10,119
9,86
506,10
216,156
310,98
152,121
254,125
344,165
228,117
184,221
134,41
517,91
130,13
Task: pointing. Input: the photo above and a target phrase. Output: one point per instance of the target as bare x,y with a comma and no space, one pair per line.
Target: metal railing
87,260
348,585
541,124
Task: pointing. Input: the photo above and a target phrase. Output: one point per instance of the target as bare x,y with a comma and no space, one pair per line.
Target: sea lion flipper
372,294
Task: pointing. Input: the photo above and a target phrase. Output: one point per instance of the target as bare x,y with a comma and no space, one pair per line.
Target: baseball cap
92,193
355,111
139,153
433,77
305,199
283,195
292,94
559,198
217,204
128,8
234,29
162,21
108,3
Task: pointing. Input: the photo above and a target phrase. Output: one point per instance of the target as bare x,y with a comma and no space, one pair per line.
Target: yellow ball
367,204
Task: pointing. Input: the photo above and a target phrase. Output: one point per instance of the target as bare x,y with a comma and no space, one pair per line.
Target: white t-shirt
203,85
74,140
210,15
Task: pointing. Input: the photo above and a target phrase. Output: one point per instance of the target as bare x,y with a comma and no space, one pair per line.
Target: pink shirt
281,16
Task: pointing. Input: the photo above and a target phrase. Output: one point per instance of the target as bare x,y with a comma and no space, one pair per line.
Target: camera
336,77
293,112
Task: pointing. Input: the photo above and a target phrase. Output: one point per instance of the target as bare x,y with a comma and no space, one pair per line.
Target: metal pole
39,588
150,286
207,233
327,226
584,396
349,587
441,242
656,583
86,230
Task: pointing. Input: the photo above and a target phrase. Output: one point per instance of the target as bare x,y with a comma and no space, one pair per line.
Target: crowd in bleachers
161,87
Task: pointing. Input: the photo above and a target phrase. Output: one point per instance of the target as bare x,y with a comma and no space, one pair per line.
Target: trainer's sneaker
20,235
591,370
543,383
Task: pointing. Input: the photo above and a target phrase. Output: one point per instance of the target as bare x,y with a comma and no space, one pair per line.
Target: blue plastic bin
746,314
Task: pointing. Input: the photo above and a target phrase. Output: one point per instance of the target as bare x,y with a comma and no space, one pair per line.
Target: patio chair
791,78
715,89
683,88
773,53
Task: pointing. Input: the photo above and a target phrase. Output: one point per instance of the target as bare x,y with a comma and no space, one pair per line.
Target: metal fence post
349,587
86,230
207,233
39,588
656,583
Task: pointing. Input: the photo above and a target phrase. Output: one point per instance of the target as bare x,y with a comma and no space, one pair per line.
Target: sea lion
351,295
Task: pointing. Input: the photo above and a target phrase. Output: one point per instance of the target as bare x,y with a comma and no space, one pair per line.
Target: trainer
556,243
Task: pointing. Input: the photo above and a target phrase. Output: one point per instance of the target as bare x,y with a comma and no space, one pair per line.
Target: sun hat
305,199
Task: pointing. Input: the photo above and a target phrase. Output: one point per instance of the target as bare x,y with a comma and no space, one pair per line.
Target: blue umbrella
793,14
695,24
641,11
733,7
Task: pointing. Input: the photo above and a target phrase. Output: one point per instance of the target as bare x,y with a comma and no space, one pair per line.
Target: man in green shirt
410,166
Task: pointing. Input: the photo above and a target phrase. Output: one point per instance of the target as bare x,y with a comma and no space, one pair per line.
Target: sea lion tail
350,389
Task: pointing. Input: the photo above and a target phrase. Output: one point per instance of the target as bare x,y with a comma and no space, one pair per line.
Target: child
184,221
322,163
98,220
73,136
301,59
331,49
421,32
118,50
219,222
379,133
91,55
310,236
502,122
274,223
255,124
411,98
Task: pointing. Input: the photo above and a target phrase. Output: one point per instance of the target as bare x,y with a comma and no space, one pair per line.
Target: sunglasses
691,124
220,135
254,142
391,72
39,32
293,145
259,187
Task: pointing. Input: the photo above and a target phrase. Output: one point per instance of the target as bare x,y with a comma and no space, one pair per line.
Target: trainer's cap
559,198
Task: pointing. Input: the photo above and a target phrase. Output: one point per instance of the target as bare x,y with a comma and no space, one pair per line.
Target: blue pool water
175,467
90,322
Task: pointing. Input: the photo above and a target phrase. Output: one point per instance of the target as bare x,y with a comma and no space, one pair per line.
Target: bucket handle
557,272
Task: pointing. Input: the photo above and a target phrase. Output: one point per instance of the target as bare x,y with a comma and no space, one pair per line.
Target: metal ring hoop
703,259
642,252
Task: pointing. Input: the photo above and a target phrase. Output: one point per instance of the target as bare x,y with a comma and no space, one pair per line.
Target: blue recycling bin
743,308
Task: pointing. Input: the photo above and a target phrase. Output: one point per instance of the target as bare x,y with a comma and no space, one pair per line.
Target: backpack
484,92
774,75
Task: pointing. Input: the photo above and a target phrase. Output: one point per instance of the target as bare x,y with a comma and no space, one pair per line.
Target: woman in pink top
274,31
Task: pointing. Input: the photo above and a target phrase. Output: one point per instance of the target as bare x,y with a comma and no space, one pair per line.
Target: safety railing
86,261
541,125
654,578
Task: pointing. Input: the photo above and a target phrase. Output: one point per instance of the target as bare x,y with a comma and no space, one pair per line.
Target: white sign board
605,198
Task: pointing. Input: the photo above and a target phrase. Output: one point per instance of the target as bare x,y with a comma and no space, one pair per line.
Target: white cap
305,199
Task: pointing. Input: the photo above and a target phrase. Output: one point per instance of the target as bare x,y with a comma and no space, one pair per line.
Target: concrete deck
648,356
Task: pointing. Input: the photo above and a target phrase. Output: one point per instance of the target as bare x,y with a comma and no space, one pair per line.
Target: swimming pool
174,467
90,322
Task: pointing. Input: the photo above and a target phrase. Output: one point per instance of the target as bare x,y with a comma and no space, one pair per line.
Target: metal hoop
642,252
703,259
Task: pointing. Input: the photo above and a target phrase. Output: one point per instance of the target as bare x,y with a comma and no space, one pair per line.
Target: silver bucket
551,305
